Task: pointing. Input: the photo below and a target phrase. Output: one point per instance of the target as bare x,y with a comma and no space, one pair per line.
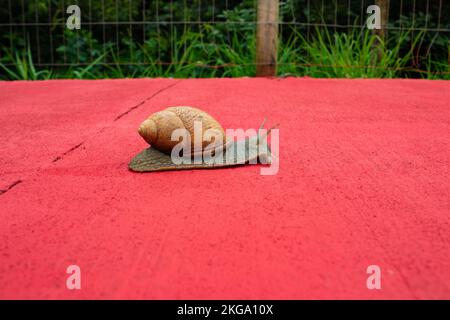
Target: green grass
357,54
223,49
210,52
438,70
22,67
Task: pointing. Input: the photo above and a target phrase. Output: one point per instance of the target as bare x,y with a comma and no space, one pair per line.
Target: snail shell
157,129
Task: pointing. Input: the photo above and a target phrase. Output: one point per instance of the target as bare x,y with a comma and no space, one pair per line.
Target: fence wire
207,33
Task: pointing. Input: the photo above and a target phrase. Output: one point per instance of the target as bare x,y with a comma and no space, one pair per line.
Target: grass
438,70
212,53
358,54
23,67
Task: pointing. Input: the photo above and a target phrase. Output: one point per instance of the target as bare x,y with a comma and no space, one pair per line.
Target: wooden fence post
267,38
384,15
381,33
448,52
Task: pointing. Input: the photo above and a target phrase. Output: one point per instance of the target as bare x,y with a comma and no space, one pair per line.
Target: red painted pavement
364,179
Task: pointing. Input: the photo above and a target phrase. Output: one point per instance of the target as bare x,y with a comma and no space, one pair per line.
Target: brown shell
157,129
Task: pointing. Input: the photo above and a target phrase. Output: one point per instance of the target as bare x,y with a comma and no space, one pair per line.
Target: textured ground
364,179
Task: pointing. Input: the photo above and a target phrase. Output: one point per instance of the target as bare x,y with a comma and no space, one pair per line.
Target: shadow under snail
158,129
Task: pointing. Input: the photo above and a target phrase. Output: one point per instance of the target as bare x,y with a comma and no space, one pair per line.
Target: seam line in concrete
145,100
15,183
117,118
77,146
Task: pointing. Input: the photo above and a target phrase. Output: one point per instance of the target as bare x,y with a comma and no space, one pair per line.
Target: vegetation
218,40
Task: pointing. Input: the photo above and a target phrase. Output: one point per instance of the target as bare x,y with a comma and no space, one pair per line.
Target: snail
158,131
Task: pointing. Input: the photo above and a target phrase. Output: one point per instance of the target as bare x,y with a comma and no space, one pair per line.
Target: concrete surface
364,180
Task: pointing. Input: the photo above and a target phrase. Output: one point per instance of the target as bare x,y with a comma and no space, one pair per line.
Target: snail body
158,128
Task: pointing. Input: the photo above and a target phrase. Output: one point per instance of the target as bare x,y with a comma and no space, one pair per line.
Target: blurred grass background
200,38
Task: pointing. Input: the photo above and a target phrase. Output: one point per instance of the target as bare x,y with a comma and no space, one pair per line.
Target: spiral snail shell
158,128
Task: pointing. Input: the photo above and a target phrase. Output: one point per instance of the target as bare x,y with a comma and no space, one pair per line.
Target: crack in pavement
145,100
77,146
15,183
117,118
68,151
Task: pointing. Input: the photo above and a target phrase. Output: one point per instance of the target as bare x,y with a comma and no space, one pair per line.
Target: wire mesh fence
217,38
